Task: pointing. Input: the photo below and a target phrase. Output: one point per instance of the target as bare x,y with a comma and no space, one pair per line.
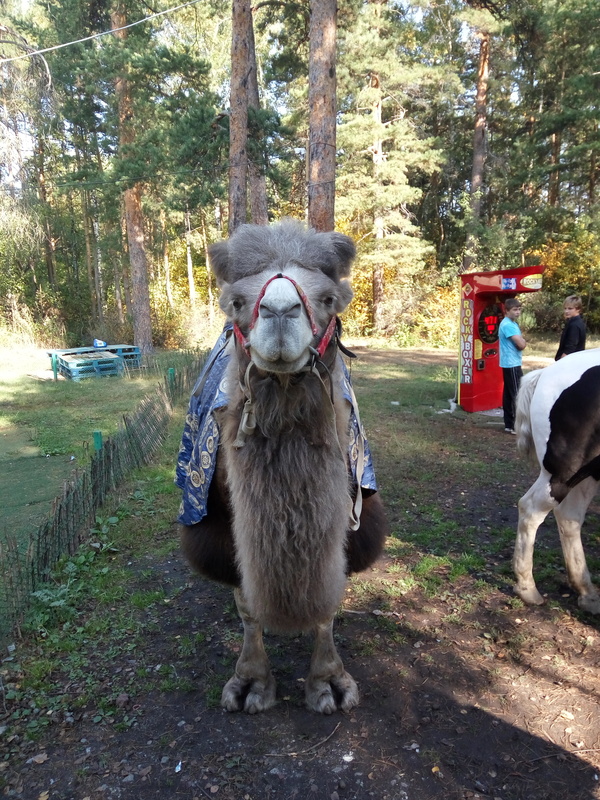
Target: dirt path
465,693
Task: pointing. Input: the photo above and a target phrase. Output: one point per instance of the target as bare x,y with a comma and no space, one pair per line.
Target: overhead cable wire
97,35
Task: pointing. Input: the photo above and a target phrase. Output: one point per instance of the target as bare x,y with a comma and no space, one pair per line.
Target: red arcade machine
482,297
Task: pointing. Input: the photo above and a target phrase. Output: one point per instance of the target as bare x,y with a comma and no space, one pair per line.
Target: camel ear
345,294
218,255
343,249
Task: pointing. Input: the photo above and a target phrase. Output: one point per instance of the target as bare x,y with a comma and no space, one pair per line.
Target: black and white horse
558,421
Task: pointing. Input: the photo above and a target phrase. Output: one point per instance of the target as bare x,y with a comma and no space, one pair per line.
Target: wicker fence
25,565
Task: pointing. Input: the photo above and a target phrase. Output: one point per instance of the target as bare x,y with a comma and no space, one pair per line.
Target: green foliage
406,75
572,266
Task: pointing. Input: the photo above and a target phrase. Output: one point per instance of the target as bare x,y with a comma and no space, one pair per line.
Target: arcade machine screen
489,323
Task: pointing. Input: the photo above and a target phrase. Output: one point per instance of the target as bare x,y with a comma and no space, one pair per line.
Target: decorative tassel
247,424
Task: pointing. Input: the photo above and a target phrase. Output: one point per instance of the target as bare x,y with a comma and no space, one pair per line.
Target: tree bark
209,273
140,291
378,274
257,183
190,264
49,241
166,261
238,113
479,148
88,254
322,108
554,182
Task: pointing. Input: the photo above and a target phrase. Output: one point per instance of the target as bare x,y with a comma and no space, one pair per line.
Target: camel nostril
266,311
294,312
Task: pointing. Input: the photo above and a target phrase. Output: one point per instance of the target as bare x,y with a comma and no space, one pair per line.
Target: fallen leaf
40,758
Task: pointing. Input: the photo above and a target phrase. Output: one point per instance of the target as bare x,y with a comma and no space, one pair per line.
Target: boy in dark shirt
573,336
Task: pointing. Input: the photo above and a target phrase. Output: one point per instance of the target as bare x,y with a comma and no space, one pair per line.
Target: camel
289,507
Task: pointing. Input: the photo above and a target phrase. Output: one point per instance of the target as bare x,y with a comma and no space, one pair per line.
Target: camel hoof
589,603
531,596
251,696
325,698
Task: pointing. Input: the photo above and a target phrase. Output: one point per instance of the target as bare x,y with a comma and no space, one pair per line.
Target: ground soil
493,702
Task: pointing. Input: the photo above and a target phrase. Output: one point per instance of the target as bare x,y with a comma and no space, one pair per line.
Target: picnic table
77,363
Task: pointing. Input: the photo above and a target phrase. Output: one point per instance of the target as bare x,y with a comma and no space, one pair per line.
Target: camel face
281,318
281,334
289,316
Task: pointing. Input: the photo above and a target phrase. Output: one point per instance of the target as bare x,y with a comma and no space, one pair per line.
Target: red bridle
327,335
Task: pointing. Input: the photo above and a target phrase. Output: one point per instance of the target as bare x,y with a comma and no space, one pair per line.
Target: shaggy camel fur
285,521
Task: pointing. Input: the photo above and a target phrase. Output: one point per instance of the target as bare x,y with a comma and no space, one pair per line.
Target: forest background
468,137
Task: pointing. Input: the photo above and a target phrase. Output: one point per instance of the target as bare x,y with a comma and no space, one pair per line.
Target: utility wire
97,35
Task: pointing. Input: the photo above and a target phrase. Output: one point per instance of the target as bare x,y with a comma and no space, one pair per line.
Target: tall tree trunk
49,241
479,148
257,182
118,293
89,254
556,139
322,108
378,276
190,264
209,272
97,262
126,269
91,247
238,113
554,183
166,261
140,291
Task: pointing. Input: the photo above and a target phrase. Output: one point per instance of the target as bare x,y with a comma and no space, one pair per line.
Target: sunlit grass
60,417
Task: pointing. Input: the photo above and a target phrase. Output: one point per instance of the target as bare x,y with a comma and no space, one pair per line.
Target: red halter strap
327,335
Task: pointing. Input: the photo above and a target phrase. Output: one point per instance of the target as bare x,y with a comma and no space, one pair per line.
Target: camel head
283,286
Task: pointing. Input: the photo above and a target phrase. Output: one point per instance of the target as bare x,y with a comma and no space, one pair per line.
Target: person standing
512,344
572,339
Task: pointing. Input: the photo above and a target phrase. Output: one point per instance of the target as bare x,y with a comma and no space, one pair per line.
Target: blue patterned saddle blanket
200,440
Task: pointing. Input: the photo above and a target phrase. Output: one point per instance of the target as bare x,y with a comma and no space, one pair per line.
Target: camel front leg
569,517
533,509
252,687
328,684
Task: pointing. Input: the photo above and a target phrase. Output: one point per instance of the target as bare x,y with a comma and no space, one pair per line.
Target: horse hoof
589,603
530,596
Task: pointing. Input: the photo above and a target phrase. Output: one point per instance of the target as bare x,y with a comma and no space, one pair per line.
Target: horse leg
533,509
252,688
569,516
328,684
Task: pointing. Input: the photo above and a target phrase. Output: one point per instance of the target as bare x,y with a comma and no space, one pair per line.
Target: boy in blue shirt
511,344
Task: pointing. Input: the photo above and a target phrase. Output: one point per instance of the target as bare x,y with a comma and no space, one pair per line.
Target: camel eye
329,301
237,304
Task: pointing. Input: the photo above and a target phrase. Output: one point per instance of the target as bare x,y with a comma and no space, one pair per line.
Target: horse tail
525,444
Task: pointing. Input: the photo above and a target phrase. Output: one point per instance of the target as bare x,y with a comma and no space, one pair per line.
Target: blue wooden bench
88,362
